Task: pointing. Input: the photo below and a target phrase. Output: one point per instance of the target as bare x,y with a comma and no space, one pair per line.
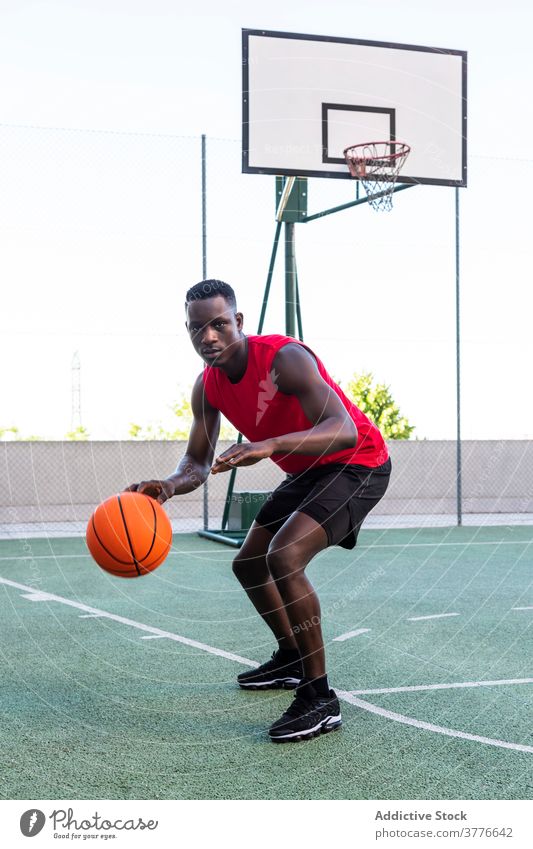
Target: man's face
214,329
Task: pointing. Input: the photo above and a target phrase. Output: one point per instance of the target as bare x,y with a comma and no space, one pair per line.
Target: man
279,395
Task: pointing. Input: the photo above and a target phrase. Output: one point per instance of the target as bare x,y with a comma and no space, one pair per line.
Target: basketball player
278,394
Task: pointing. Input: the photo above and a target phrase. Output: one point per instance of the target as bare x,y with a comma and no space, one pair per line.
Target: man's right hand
159,490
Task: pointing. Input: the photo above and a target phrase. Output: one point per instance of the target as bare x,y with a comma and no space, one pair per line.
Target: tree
184,418
12,434
376,401
79,434
9,432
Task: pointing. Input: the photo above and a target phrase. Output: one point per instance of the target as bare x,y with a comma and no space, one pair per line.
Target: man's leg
316,709
251,570
290,550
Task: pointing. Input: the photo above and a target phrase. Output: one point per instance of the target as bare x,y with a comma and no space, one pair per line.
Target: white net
377,165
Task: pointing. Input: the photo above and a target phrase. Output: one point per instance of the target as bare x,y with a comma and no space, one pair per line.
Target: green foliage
79,434
154,431
376,401
9,432
12,434
184,418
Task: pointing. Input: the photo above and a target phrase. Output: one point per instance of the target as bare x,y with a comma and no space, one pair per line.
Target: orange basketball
129,534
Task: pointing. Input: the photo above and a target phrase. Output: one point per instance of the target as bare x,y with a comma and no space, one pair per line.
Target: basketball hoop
377,165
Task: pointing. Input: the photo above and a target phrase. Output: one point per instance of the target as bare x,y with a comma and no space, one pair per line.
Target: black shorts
337,496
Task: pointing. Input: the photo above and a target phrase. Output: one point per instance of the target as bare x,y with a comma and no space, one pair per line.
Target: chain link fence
102,237
53,487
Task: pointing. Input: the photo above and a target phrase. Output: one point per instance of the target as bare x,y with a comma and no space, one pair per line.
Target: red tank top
259,411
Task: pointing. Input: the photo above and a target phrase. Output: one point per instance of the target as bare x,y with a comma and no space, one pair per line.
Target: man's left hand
245,454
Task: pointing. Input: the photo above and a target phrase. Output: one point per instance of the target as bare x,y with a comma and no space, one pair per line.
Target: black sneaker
308,716
272,675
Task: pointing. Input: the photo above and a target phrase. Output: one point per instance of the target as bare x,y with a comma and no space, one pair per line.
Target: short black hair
210,289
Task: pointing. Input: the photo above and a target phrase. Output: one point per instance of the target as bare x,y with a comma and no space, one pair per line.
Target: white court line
433,616
428,726
465,543
35,595
350,634
153,637
342,694
420,687
173,551
102,613
45,556
87,615
522,608
443,544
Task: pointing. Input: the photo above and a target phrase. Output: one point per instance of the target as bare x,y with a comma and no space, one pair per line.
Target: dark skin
271,568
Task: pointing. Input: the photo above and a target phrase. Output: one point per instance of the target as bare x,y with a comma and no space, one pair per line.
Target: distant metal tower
75,413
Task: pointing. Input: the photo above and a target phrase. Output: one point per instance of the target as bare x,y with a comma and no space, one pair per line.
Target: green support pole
229,493
269,277
290,281
298,310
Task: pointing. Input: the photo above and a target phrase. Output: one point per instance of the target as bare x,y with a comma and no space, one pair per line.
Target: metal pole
204,277
458,362
298,308
290,281
269,277
231,485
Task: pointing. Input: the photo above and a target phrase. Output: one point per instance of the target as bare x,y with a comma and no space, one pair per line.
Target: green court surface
128,692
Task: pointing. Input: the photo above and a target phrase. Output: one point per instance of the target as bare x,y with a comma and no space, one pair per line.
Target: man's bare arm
194,466
333,429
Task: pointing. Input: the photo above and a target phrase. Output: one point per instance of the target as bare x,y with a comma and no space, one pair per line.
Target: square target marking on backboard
341,120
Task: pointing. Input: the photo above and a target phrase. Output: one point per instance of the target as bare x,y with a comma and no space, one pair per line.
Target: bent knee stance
286,562
250,570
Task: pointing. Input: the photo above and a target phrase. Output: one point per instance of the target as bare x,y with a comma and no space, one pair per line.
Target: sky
101,110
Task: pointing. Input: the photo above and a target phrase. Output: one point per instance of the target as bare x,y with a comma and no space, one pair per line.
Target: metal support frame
284,199
229,493
235,540
285,214
293,320
357,202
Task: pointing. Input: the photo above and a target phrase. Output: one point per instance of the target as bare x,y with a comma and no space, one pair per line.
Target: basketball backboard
307,97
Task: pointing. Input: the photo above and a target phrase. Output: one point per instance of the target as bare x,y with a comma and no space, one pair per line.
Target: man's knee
285,562
249,569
